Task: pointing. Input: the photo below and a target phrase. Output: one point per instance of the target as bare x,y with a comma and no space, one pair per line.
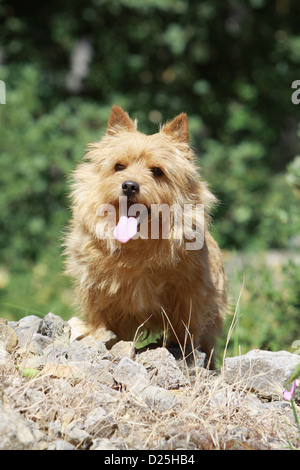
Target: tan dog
133,261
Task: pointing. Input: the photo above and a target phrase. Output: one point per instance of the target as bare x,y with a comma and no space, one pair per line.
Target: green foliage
293,174
268,313
30,373
38,151
229,65
295,374
157,58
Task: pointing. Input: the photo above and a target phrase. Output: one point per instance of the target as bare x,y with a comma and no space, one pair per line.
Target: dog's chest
143,294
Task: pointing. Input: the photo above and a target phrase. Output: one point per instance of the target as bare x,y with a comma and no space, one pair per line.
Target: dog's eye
157,171
119,167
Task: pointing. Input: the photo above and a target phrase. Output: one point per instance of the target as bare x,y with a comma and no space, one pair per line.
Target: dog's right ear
119,120
178,128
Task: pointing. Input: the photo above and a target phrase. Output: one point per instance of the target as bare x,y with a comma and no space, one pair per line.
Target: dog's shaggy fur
157,281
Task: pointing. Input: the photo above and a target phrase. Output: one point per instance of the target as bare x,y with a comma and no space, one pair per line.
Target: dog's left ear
119,120
178,128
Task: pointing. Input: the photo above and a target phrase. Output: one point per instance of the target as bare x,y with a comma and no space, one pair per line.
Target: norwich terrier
139,245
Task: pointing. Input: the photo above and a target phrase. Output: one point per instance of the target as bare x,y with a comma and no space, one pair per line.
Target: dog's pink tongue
126,229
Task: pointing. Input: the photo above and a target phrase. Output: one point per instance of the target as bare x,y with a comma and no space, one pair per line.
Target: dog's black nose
130,188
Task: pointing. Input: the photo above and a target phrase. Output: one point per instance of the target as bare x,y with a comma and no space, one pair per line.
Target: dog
135,265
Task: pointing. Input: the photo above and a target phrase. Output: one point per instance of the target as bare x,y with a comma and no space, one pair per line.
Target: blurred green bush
267,313
229,65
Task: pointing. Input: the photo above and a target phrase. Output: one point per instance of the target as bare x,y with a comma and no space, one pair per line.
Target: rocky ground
61,393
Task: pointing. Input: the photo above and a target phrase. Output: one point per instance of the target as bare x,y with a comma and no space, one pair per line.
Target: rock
30,321
132,375
57,351
105,444
99,423
123,349
100,372
26,328
91,342
32,348
158,398
84,370
3,354
226,398
162,368
74,434
239,438
54,428
109,338
196,361
54,327
238,433
193,362
60,444
15,431
42,341
88,397
88,349
71,371
30,356
8,336
262,371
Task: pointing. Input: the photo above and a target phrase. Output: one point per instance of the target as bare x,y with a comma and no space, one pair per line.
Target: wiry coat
156,281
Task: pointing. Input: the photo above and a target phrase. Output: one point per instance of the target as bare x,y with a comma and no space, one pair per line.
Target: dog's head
127,176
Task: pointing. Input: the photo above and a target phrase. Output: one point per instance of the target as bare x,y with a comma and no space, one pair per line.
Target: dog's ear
178,128
119,120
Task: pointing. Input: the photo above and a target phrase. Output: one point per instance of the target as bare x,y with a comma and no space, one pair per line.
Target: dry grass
210,414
